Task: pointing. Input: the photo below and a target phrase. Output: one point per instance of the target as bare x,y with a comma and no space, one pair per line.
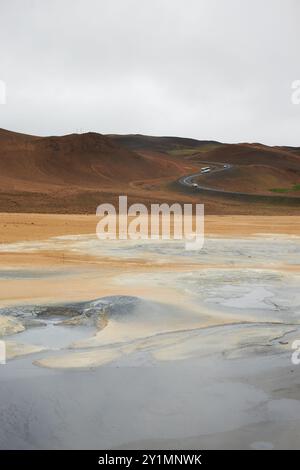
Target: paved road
189,181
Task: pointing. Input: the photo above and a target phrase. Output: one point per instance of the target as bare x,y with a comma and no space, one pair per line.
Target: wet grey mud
179,350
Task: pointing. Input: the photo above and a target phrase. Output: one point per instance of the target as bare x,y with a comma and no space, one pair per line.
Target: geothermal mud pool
159,348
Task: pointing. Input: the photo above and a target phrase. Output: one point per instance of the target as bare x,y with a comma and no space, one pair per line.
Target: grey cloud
207,69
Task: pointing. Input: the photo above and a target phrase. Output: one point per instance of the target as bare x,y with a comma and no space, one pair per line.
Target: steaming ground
147,345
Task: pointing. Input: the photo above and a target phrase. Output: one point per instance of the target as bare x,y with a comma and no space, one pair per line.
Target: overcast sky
209,69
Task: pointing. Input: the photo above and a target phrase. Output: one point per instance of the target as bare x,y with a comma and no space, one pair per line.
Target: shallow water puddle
51,335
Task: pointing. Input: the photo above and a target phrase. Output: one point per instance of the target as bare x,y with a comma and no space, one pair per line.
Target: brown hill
10,137
75,173
79,160
168,145
249,154
257,169
72,173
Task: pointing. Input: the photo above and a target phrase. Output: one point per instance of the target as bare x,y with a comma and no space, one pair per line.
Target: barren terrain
75,173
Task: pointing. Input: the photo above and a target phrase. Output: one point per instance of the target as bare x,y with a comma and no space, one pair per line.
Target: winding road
215,167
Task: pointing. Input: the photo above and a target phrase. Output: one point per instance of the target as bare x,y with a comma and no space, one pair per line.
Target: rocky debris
94,313
10,326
